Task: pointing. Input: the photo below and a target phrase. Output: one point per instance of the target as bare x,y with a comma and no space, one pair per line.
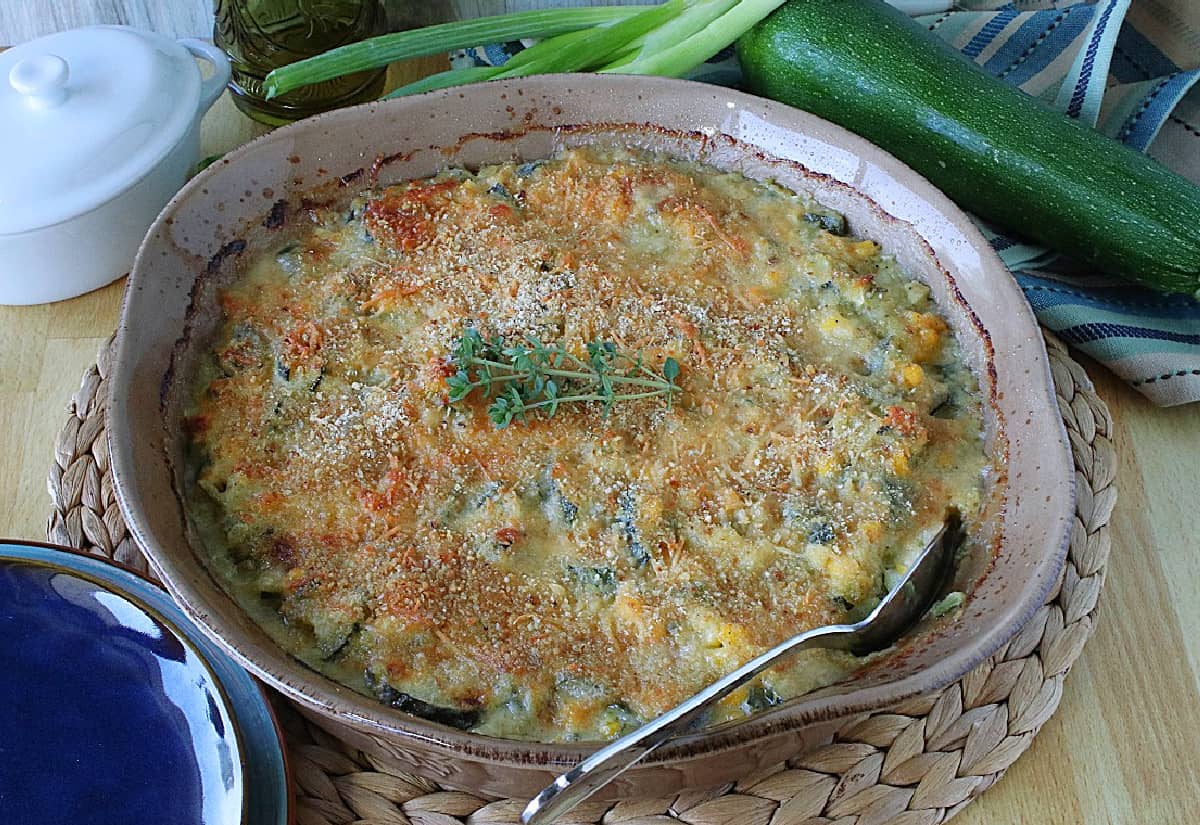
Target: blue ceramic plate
117,709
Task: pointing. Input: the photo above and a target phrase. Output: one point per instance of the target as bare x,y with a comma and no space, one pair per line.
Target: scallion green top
667,39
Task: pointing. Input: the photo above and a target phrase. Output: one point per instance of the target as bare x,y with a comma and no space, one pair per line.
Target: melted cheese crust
569,577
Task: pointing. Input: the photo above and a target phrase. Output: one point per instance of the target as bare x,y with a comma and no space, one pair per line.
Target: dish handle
212,86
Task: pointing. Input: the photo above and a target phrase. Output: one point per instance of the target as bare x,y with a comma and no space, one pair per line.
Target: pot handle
211,87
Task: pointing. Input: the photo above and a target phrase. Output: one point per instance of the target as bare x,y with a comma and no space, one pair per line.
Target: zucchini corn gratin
540,451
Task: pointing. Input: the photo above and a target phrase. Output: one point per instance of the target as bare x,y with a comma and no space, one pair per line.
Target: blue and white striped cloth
1129,69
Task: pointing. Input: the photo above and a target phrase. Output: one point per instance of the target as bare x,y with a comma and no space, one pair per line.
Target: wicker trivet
919,763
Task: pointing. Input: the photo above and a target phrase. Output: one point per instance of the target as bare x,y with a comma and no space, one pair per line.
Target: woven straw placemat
917,764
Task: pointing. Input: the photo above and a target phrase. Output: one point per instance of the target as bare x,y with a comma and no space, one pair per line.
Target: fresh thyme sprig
529,376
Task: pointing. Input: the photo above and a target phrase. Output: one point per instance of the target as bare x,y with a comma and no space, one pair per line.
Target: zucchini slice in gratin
593,563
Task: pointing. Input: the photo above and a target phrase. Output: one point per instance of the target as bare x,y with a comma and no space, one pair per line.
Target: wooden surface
1125,744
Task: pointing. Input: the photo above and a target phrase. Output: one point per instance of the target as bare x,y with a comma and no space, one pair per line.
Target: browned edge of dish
824,156
287,764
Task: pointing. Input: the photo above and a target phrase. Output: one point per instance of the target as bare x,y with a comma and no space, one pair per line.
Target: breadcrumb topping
571,576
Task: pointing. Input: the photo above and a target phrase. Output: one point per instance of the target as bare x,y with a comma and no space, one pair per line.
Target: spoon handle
606,764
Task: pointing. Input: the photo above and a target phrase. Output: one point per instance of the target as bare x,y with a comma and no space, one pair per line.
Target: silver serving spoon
898,612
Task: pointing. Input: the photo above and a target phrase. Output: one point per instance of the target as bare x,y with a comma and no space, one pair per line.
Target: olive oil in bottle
261,35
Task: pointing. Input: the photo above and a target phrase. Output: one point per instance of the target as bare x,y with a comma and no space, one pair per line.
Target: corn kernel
836,325
872,530
831,322
735,699
610,727
827,465
864,249
757,295
728,634
733,647
927,332
818,555
844,572
928,341
913,375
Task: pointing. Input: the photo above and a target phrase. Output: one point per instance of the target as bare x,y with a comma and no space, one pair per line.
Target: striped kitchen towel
1128,67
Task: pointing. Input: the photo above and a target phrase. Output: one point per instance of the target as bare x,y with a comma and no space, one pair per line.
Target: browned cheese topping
572,575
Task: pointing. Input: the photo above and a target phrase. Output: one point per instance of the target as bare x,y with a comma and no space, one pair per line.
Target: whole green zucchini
994,150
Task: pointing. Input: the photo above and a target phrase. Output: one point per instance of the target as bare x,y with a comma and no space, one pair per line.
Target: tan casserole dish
196,243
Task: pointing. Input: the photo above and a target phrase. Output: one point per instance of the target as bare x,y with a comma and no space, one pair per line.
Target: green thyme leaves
530,376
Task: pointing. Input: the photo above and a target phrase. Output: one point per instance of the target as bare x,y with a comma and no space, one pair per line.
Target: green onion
690,52
478,74
599,46
694,18
443,37
685,25
565,53
667,39
562,41
444,80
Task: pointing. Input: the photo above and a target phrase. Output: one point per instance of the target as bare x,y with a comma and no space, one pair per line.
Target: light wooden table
1123,748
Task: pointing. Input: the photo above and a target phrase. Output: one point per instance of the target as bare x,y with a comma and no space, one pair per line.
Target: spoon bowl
895,614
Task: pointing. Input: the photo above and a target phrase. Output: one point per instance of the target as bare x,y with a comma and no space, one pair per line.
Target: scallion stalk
564,53
696,17
445,80
601,44
478,74
562,41
442,37
690,52
667,39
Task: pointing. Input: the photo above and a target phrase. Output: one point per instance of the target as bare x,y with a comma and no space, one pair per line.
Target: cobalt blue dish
115,709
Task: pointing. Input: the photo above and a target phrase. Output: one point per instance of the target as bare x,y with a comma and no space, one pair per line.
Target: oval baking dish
232,209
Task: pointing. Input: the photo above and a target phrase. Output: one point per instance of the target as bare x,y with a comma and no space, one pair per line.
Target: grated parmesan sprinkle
571,576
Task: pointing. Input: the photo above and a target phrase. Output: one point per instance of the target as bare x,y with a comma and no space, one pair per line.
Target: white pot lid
87,113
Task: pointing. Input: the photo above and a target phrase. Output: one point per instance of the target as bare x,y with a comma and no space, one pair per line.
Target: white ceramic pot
100,129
